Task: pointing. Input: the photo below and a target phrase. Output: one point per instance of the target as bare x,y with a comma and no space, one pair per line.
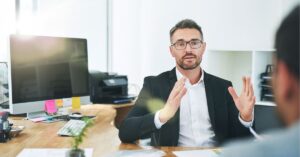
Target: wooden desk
102,137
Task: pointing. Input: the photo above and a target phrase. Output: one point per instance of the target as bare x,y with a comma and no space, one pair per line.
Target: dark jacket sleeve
236,128
139,123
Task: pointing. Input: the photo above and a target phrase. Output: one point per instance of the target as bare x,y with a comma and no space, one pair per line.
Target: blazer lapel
209,96
172,78
174,122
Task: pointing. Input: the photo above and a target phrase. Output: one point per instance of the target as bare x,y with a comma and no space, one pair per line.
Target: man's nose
188,48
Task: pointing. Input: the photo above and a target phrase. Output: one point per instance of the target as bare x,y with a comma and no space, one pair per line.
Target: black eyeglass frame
188,42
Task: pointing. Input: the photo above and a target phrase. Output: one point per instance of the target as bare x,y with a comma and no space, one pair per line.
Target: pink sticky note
50,106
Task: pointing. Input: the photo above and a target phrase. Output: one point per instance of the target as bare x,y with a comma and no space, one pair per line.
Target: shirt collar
179,76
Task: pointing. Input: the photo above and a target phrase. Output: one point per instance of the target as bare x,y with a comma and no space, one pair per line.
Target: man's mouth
189,57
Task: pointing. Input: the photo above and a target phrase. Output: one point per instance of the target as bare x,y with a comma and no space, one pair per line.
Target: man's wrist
162,116
157,122
245,123
246,118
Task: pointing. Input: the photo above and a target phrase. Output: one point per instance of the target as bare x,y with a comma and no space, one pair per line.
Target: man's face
191,56
286,92
278,95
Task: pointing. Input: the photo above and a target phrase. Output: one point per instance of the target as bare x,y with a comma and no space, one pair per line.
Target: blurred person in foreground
286,84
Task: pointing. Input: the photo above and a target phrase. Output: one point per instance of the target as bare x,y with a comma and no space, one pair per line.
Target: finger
234,96
180,95
247,86
244,84
180,82
182,92
174,91
232,93
251,103
250,87
182,79
177,90
251,90
177,87
253,100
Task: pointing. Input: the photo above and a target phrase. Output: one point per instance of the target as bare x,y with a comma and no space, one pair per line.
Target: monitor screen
45,68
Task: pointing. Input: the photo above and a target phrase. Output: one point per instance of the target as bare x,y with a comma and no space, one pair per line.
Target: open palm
245,102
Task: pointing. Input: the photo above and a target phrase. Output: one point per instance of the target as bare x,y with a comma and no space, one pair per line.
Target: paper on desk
196,153
50,152
138,153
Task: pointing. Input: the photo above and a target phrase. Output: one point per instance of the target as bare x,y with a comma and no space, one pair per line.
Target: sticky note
67,102
59,102
50,106
75,102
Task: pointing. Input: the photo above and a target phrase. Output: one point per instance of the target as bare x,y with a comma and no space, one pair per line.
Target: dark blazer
139,122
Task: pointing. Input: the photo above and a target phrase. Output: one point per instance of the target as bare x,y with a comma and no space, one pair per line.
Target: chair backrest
266,118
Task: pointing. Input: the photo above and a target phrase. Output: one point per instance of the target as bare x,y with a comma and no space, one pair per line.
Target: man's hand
245,102
173,101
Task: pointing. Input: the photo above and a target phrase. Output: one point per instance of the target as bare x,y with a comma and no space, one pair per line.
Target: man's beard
188,67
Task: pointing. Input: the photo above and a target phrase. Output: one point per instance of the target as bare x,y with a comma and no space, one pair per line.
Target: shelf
265,103
233,64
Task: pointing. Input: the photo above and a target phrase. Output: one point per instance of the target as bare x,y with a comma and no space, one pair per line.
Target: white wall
140,28
126,40
141,48
73,18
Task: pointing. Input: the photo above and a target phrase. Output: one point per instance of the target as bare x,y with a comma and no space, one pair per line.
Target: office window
64,18
7,20
74,18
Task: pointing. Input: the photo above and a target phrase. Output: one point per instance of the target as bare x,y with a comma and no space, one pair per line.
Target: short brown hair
287,41
186,23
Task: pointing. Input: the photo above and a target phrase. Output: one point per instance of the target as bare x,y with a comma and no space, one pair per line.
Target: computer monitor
45,68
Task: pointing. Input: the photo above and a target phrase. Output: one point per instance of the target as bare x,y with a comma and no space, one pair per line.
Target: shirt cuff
247,124
157,122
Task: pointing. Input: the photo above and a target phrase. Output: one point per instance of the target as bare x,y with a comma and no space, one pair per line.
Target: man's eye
180,44
194,43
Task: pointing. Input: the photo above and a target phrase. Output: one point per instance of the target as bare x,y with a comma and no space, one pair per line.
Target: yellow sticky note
75,102
59,102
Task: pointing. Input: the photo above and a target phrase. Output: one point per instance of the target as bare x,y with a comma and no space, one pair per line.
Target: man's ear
171,51
204,45
286,93
203,48
285,81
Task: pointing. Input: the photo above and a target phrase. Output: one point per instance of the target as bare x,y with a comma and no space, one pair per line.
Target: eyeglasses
181,44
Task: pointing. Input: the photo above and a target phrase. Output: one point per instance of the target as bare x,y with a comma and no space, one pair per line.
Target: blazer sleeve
236,129
139,123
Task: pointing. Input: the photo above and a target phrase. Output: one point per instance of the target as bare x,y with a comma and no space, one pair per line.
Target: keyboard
71,128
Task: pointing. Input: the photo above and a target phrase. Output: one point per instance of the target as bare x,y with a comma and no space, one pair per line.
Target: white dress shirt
195,125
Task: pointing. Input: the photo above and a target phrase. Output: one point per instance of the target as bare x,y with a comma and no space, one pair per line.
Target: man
286,84
187,106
